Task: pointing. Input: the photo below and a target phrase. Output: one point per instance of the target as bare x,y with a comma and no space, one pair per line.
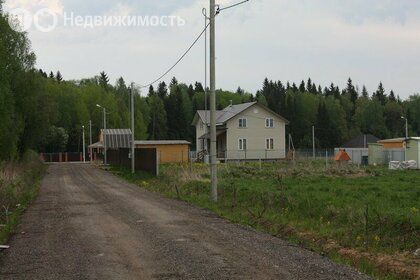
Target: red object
342,155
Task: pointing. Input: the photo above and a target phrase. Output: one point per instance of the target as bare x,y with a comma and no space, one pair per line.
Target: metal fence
63,157
357,155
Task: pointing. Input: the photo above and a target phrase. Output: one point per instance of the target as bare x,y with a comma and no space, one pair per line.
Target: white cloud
34,5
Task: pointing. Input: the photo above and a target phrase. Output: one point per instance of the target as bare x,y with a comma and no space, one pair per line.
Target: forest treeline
44,112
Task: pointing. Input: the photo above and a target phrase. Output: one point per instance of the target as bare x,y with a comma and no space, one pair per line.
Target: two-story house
247,131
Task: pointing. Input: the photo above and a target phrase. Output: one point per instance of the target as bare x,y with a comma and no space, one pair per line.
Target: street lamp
406,126
84,148
104,133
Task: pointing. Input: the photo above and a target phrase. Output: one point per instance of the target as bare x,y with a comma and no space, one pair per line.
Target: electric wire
231,6
192,45
179,60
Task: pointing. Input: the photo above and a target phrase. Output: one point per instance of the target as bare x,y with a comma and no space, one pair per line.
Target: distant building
247,131
361,141
394,143
168,151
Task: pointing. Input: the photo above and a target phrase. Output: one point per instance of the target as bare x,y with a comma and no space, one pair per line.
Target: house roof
162,142
226,114
361,141
222,116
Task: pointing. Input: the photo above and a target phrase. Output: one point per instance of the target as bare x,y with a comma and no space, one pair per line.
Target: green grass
19,185
370,210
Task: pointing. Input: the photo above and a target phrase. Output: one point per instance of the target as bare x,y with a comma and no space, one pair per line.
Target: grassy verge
19,184
366,217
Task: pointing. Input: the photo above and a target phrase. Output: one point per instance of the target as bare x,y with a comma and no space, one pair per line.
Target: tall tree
104,80
380,94
59,77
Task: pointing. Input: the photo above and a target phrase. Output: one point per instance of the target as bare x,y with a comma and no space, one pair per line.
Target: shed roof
118,131
117,138
393,140
162,142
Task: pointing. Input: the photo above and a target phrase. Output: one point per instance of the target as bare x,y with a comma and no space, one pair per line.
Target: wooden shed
176,151
395,143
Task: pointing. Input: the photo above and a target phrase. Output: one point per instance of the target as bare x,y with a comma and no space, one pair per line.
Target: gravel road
89,224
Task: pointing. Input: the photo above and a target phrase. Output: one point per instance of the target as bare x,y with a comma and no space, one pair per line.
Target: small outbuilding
394,143
413,150
169,151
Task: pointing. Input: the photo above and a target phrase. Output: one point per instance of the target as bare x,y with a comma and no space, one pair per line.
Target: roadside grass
366,217
19,185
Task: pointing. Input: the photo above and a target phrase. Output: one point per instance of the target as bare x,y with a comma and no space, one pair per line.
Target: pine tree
351,91
198,87
151,91
380,94
59,77
52,76
309,85
392,96
302,87
365,92
294,88
162,90
104,80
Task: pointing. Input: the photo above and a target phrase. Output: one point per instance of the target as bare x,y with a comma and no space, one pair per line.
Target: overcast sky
288,40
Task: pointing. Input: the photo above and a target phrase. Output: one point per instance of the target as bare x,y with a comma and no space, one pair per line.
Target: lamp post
104,133
406,126
406,136
133,150
84,146
90,141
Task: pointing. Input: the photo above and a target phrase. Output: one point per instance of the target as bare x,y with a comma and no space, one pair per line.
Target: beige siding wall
256,134
199,131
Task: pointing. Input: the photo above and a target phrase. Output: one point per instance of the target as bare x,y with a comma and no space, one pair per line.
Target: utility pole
84,145
90,141
104,132
313,141
213,138
105,142
133,160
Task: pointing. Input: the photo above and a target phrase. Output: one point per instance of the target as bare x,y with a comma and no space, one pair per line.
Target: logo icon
20,20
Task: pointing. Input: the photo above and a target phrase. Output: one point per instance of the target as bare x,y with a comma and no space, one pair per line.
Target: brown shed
176,151
395,143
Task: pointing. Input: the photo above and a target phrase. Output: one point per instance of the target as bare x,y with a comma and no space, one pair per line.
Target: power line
192,45
231,6
180,59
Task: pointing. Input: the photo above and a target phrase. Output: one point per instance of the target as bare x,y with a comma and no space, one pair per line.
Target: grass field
366,217
19,184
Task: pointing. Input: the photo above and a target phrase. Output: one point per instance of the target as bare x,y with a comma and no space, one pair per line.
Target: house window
242,144
201,125
269,123
242,123
269,144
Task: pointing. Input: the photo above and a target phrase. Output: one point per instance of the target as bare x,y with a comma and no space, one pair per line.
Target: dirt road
88,224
